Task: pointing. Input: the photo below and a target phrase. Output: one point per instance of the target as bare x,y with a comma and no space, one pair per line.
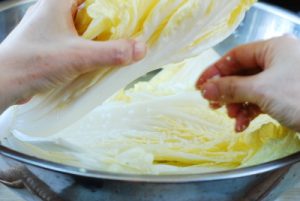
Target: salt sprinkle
216,77
228,58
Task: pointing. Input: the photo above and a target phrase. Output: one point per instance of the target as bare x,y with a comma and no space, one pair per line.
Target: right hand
261,77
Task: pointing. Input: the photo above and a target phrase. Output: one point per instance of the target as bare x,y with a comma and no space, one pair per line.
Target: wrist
12,86
7,91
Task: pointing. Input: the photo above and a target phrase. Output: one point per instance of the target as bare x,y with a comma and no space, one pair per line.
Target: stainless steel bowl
262,182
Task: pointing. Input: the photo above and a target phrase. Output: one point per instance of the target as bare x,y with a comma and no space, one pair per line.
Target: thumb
91,55
230,90
62,8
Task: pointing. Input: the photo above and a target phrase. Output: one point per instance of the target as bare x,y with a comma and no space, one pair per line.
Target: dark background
293,5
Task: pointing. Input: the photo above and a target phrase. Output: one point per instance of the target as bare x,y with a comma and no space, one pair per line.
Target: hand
45,51
262,77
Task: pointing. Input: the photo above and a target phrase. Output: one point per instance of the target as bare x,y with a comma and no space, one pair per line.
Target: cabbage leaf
162,126
173,30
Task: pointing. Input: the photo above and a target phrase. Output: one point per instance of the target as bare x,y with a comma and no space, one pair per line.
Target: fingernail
199,83
23,101
240,128
211,92
140,50
215,105
244,127
213,75
242,121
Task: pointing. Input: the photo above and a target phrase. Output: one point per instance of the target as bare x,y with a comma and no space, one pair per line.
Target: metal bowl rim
184,178
230,174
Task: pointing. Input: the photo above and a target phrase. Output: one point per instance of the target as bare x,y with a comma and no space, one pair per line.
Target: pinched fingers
243,113
231,81
244,60
230,90
241,95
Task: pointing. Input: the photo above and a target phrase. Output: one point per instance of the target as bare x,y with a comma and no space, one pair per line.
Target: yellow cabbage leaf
162,126
173,29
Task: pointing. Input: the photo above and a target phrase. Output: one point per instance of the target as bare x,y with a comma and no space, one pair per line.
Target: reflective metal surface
262,22
263,182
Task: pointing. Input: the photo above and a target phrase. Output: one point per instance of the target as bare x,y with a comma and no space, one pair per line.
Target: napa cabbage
173,30
162,126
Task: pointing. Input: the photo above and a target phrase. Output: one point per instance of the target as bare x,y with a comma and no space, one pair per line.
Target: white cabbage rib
173,29
162,127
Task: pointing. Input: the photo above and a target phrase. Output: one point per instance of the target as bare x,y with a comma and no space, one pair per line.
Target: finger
242,123
75,7
64,3
79,2
243,60
233,109
246,114
65,7
215,105
23,101
31,9
230,90
250,110
94,54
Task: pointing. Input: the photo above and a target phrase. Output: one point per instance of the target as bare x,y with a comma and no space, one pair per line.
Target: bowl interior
261,22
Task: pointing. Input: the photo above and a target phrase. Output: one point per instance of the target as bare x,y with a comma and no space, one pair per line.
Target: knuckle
260,90
122,55
282,41
287,37
30,9
231,89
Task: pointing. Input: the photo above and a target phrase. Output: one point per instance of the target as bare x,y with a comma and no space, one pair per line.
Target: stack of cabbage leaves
160,126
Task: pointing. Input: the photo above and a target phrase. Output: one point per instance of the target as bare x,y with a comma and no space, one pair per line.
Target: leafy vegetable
173,29
158,127
163,126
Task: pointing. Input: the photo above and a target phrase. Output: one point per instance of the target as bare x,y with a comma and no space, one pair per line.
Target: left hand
45,51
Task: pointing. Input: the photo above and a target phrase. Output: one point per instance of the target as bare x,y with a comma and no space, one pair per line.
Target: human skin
45,51
261,77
